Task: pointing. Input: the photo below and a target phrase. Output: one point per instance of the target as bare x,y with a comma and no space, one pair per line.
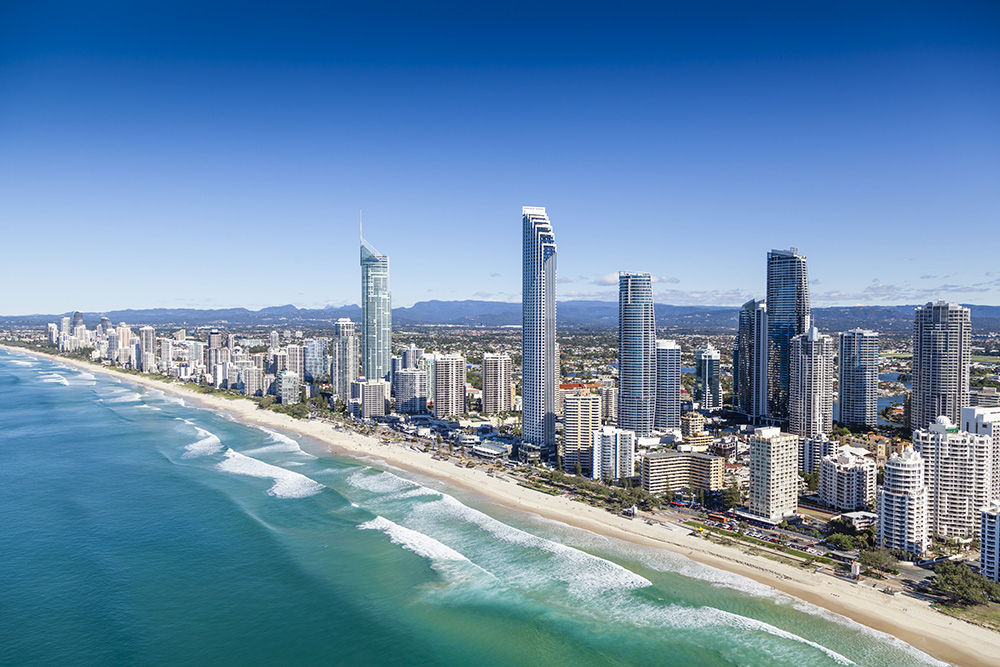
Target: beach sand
907,618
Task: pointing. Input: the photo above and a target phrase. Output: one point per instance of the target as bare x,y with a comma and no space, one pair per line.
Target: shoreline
908,619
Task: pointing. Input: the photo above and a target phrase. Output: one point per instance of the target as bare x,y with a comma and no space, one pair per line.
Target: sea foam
287,484
417,542
209,443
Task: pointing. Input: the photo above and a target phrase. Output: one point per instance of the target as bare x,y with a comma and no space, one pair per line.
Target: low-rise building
847,481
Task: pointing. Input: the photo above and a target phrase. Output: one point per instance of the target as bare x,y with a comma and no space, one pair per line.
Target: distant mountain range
571,315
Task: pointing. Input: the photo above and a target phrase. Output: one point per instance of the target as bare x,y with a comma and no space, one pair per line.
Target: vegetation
879,560
963,585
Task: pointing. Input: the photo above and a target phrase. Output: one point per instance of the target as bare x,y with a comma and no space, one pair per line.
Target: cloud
927,276
484,295
494,275
665,279
725,297
601,295
564,280
881,293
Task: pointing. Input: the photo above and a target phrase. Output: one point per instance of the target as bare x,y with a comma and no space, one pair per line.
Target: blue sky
217,154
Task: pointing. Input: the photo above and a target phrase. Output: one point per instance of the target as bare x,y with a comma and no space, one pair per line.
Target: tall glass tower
787,317
750,361
707,386
376,313
540,367
636,353
858,378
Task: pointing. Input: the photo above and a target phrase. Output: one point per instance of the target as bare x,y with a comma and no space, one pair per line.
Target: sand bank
909,619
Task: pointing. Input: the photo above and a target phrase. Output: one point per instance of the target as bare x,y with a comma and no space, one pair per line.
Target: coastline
908,619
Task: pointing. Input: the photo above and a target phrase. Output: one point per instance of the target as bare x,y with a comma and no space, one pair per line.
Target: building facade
664,473
614,454
411,391
636,353
497,373
941,356
667,413
539,359
449,385
810,398
847,481
707,384
858,379
788,316
376,313
344,358
582,416
750,361
774,476
961,474
902,504
989,540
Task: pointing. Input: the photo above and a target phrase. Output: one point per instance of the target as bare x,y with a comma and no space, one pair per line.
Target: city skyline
766,128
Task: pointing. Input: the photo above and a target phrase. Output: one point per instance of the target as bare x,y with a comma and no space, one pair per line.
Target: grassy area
896,355
986,360
986,615
754,542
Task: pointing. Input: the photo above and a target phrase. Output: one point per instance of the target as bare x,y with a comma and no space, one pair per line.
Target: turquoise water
136,529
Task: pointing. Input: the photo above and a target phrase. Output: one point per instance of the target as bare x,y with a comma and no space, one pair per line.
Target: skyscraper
940,363
449,385
147,341
614,454
750,361
411,391
636,353
582,416
317,364
344,363
540,365
376,313
902,504
787,317
858,384
810,405
496,383
774,478
668,385
707,387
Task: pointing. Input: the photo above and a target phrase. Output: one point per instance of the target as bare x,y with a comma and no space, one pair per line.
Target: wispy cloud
612,279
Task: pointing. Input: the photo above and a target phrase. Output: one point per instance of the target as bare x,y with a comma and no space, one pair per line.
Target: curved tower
636,353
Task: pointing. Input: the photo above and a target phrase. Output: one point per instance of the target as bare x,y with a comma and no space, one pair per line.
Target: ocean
136,528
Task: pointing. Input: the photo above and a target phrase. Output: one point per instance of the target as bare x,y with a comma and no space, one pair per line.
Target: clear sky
208,154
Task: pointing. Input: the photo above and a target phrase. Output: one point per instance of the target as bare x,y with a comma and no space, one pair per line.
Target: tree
732,497
840,541
961,583
878,559
579,470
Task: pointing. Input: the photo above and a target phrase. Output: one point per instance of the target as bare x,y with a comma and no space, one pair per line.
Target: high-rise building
609,403
411,391
813,450
251,381
636,353
376,313
77,320
847,481
344,362
166,354
858,378
667,414
614,454
539,361
940,363
147,342
582,416
65,325
774,477
810,394
287,389
707,385
370,398
275,340
788,316
317,364
989,540
449,385
412,356
296,359
961,474
902,504
497,370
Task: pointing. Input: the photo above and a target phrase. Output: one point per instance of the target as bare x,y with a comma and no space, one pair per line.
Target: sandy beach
907,618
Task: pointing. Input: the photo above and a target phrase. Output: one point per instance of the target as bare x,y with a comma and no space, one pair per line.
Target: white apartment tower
497,370
961,475
989,541
449,385
941,350
147,341
344,361
707,383
668,385
847,481
858,378
540,364
810,404
411,391
614,454
774,476
581,417
902,504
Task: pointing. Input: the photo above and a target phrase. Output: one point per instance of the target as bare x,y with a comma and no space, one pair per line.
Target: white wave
417,542
287,484
55,377
148,407
282,444
126,397
21,362
388,485
208,444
